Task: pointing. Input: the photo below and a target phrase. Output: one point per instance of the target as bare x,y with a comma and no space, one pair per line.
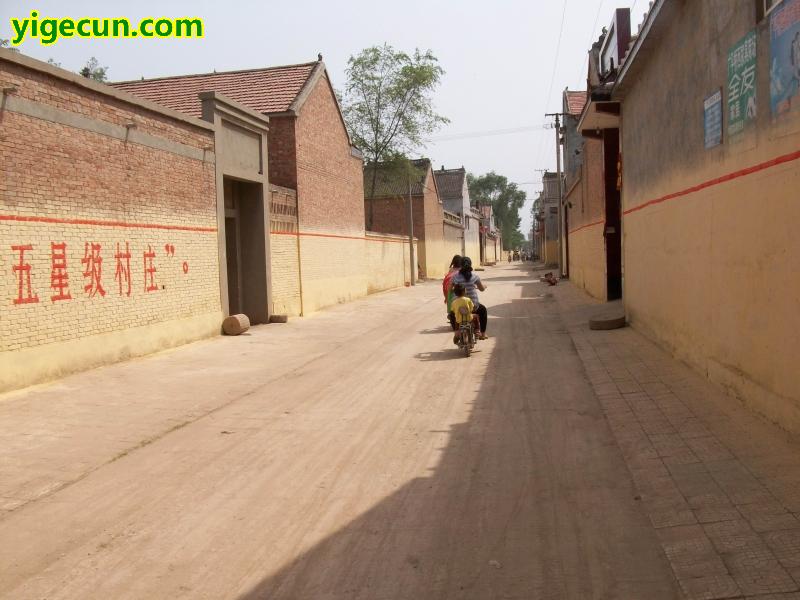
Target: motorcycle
466,331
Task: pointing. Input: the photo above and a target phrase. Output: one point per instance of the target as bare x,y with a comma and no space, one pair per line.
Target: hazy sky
500,57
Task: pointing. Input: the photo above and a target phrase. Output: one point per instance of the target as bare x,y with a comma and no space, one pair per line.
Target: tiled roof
269,90
575,101
391,183
450,182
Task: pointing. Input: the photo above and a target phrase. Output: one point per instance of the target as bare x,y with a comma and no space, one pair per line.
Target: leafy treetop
505,198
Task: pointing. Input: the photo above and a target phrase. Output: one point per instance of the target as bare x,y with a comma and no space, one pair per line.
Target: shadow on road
530,499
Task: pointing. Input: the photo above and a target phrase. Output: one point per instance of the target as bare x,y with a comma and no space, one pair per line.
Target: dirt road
352,454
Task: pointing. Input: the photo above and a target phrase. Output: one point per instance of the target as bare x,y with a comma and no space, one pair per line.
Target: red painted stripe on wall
792,156
29,219
587,225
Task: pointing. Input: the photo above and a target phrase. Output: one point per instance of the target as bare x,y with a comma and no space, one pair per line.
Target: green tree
387,104
93,70
505,199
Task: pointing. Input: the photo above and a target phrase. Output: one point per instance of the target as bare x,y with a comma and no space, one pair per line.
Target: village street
357,454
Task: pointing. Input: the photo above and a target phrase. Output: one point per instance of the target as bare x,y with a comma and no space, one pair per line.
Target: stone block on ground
610,316
235,324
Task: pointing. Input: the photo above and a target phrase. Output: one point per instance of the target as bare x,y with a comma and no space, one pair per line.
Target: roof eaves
316,73
308,87
641,36
233,72
100,88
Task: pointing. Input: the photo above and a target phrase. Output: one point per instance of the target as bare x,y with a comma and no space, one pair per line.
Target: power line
543,143
596,21
558,51
491,132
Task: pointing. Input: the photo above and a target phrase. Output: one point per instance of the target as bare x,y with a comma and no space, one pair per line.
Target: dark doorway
245,250
613,233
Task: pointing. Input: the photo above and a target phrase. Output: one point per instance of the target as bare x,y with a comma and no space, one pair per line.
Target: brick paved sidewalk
720,485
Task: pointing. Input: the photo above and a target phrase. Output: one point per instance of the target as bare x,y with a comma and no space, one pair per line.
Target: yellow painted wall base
333,270
551,253
20,368
587,261
388,261
285,275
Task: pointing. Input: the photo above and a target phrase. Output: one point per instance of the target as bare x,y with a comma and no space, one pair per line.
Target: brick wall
387,262
451,245
433,254
285,263
390,215
108,248
587,252
282,152
472,244
330,192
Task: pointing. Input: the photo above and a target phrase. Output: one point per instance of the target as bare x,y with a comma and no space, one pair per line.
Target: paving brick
711,587
733,536
785,545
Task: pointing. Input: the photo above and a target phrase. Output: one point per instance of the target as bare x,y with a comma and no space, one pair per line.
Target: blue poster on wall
784,35
712,119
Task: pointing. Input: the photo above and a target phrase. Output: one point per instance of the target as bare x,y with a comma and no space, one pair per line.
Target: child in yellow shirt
462,300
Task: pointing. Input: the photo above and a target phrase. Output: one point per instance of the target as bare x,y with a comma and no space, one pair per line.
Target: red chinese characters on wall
22,270
92,271
59,278
123,271
149,271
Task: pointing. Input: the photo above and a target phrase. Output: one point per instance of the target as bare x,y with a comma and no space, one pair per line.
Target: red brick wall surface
282,152
330,204
74,203
390,215
330,185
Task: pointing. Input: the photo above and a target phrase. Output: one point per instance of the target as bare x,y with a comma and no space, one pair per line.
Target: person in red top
455,266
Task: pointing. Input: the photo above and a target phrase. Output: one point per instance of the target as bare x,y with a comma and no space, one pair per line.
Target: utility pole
412,262
560,194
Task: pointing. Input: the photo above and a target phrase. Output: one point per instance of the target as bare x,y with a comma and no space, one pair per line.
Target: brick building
584,200
108,224
454,191
599,122
491,240
547,218
318,253
440,232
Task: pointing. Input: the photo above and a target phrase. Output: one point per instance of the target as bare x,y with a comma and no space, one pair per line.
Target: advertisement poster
742,83
712,119
784,28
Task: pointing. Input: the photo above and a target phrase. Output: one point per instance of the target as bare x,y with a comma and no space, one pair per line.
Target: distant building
548,211
584,200
454,191
491,237
439,232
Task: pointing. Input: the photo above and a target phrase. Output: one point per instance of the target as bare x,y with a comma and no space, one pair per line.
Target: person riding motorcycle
455,265
472,283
